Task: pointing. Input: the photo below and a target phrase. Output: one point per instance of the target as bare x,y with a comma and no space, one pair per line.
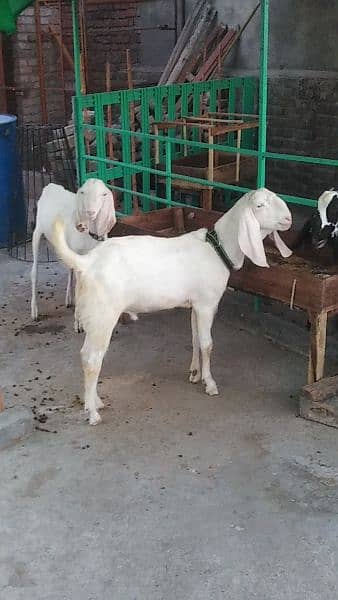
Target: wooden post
317,346
207,198
109,112
3,94
132,127
41,66
238,156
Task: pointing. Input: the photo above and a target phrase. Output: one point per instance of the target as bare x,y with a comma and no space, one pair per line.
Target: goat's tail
68,256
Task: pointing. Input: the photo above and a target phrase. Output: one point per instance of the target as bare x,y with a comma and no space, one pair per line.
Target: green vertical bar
126,152
168,170
100,137
196,107
263,92
76,47
146,145
79,142
232,107
213,96
172,117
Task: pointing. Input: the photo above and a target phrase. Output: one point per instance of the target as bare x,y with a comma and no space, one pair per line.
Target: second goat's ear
250,238
106,217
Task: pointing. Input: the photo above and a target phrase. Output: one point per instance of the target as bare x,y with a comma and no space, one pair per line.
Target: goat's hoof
94,419
78,327
211,389
99,403
195,376
34,314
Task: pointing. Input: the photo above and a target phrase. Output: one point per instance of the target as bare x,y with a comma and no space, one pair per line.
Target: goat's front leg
205,317
69,292
195,368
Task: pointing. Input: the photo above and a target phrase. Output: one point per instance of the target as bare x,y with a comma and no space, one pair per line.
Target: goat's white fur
90,209
146,274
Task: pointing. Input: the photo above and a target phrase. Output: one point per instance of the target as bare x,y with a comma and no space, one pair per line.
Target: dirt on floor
176,495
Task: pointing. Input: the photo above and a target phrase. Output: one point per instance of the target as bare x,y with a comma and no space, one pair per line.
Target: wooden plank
178,220
317,346
194,42
319,401
182,41
3,87
212,61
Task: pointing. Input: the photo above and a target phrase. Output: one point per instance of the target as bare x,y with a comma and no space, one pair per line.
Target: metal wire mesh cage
46,154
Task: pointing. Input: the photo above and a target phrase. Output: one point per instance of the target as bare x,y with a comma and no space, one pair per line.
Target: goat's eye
105,194
259,205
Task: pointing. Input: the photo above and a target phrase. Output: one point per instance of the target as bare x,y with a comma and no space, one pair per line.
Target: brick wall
303,119
104,43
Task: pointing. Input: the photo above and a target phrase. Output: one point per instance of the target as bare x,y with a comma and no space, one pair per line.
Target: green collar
212,239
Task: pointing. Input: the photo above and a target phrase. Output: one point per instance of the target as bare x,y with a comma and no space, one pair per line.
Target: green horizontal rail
218,147
138,168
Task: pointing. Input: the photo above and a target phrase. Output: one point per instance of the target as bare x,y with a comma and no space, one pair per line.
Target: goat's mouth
81,227
284,226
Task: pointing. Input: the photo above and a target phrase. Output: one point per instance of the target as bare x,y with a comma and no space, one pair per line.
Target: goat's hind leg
34,272
92,354
195,367
69,292
205,317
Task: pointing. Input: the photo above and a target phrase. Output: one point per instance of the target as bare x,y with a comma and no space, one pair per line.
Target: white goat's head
95,207
262,213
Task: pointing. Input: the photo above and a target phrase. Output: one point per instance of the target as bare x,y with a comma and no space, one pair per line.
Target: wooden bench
300,281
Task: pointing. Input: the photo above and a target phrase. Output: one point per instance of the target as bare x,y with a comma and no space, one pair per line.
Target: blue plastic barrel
12,205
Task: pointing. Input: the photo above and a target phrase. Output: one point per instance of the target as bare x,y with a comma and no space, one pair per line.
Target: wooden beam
317,346
3,94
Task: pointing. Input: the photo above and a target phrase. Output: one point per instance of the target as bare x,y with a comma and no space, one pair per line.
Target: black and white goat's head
323,225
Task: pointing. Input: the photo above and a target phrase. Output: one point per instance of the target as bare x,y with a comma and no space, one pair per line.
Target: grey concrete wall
302,34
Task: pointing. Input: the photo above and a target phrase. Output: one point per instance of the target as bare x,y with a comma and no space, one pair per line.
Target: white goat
147,274
88,214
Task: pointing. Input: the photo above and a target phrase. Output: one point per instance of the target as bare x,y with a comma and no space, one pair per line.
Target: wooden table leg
207,198
317,346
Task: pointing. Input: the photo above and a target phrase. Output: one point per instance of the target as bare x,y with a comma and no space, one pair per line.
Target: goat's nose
288,219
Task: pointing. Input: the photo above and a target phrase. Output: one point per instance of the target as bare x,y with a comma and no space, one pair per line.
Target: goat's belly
156,304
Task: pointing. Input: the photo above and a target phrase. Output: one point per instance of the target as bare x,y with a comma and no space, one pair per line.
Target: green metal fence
179,101
160,103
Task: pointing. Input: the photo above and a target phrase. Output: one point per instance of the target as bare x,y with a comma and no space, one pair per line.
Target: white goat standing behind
91,209
147,274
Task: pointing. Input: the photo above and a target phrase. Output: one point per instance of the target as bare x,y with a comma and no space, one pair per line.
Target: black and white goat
148,274
321,228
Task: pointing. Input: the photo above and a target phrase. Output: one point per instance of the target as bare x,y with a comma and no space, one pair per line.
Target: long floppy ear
106,218
280,245
250,238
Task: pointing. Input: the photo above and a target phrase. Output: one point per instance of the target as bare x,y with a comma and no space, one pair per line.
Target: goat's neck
227,230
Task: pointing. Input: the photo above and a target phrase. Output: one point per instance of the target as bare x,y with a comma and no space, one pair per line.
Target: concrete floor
176,496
